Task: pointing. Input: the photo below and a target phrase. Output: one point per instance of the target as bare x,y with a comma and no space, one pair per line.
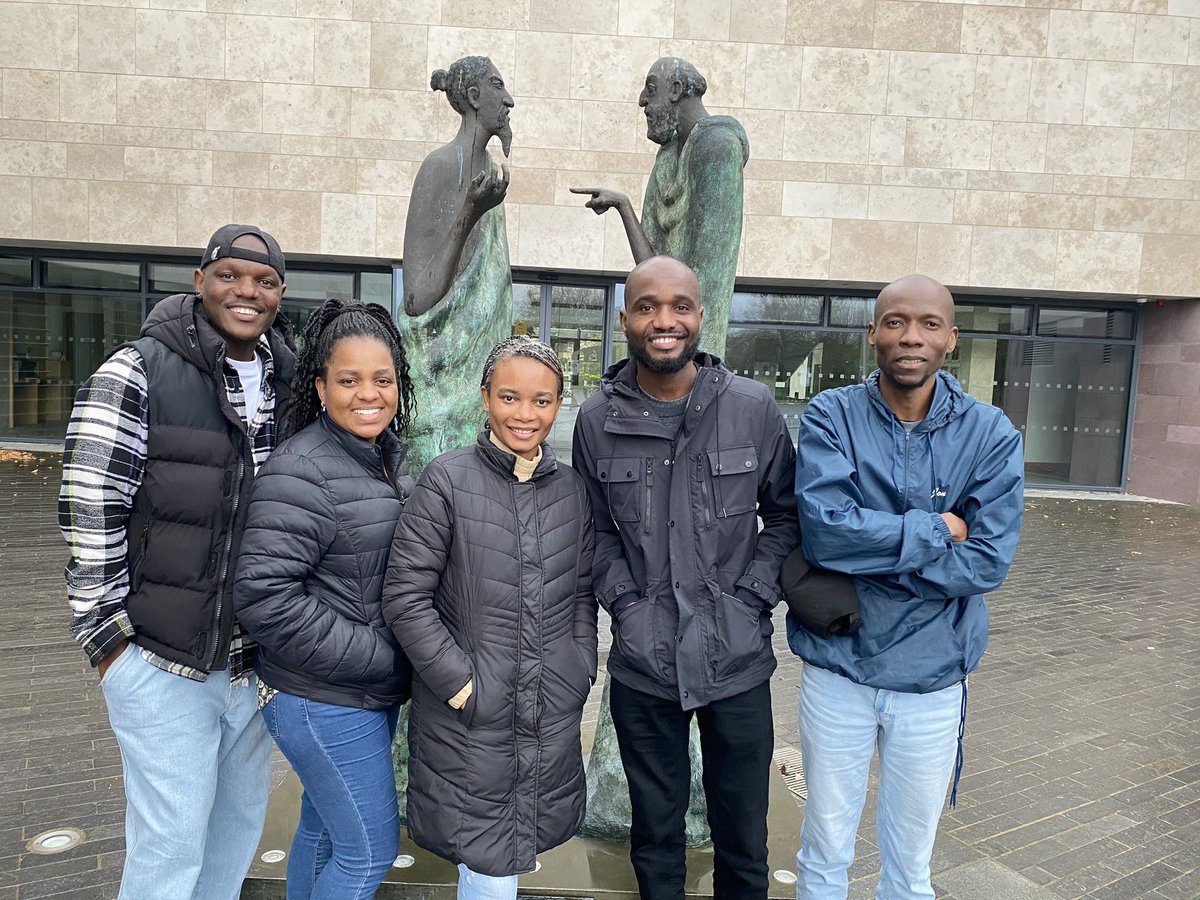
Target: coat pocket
740,637
635,637
734,475
623,487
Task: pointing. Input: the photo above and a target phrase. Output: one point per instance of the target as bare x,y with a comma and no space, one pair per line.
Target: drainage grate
787,759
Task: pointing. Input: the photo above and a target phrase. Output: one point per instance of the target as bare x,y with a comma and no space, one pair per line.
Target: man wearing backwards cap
161,449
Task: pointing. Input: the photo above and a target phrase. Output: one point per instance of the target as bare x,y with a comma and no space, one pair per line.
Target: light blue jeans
196,762
473,886
349,829
841,725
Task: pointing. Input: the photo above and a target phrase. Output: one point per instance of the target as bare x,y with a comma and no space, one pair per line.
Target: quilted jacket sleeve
418,557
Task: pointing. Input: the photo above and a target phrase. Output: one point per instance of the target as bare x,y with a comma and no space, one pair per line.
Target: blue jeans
196,763
841,725
349,829
473,886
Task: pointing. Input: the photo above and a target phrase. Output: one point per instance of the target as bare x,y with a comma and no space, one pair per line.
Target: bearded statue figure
693,205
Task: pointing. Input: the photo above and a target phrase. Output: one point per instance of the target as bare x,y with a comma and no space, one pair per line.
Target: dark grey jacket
675,523
314,555
490,582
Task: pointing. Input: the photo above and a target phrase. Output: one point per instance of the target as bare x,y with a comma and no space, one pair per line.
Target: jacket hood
950,402
621,376
179,322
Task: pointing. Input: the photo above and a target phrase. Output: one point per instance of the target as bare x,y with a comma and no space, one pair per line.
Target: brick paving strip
1082,773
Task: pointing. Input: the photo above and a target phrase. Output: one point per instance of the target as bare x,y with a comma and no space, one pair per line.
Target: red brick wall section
1165,457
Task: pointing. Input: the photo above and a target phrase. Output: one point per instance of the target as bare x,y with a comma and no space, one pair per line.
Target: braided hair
521,345
334,320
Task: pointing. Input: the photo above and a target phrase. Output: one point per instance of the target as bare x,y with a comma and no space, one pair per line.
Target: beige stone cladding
1049,145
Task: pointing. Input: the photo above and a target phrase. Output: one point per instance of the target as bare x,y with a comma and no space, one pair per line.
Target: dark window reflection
798,309
1096,323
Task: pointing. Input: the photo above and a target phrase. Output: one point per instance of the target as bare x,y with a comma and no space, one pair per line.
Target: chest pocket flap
734,472
622,480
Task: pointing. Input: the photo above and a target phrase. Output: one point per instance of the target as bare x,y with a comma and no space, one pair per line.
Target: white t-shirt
250,374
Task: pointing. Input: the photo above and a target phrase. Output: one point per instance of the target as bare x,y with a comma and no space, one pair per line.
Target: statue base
582,867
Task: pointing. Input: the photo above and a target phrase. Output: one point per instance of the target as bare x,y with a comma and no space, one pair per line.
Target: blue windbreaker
869,497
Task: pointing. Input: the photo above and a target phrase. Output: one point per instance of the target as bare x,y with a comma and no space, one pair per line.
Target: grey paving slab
989,880
1082,773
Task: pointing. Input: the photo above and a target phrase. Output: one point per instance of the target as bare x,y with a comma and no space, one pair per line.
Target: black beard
664,366
505,135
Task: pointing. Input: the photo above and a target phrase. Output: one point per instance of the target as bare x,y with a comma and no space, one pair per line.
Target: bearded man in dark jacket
679,455
162,445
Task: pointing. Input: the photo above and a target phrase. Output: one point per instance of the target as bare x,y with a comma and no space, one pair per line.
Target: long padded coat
490,581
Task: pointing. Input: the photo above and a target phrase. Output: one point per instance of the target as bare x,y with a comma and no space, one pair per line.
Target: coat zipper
237,494
649,485
703,490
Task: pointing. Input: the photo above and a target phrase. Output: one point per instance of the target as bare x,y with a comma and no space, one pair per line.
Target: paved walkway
1082,773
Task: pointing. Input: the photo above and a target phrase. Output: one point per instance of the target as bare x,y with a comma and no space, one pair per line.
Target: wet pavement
1082,774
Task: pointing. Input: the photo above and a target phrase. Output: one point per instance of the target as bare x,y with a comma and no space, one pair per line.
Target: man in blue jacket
914,488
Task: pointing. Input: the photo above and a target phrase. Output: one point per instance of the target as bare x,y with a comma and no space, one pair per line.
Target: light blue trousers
841,726
196,762
473,886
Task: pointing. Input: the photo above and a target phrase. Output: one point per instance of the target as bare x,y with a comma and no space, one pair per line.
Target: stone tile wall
1040,145
1165,455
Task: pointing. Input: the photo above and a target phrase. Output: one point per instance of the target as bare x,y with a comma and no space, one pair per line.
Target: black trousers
737,737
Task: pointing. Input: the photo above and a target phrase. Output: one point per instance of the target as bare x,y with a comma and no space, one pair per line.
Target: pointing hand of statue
488,189
602,199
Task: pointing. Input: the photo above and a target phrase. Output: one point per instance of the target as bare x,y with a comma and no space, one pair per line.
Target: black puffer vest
185,527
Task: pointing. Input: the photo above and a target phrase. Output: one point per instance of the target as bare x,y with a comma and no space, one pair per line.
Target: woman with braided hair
489,592
308,591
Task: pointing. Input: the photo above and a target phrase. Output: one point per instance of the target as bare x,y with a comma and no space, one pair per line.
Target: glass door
577,335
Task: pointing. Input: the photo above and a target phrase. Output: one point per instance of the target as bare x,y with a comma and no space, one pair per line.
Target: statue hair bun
439,80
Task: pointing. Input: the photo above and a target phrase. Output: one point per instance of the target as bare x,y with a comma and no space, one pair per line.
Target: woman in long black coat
489,593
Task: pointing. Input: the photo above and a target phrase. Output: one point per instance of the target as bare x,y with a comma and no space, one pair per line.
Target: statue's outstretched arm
431,259
603,200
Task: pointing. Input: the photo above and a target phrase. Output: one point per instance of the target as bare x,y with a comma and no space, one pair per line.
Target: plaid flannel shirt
103,464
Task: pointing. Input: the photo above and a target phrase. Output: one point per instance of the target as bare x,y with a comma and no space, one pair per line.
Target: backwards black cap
220,246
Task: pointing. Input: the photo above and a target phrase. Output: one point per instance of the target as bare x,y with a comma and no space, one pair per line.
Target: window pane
16,270
49,344
172,279
1069,399
91,273
992,319
852,312
797,364
1102,323
798,309
320,285
377,289
620,346
527,309
298,313
577,335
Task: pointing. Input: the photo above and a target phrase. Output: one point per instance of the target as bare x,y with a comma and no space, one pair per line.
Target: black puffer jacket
314,555
490,581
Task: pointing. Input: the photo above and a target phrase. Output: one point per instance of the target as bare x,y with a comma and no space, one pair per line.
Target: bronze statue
457,282
693,205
